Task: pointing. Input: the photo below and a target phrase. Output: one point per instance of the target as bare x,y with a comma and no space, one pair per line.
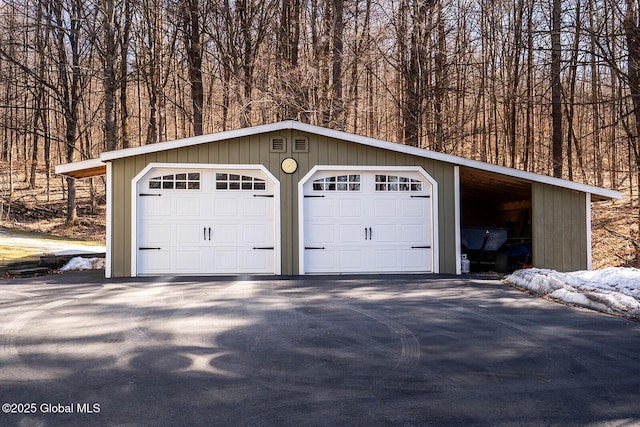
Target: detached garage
290,198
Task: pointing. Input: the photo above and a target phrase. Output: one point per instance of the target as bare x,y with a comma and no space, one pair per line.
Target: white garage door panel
155,233
320,233
320,208
321,260
189,233
156,206
415,208
379,222
256,234
188,207
385,233
415,233
349,233
414,260
155,261
225,233
350,260
384,208
194,226
351,208
225,208
188,260
256,207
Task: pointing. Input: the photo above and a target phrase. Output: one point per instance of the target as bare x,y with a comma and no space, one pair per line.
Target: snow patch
80,263
614,290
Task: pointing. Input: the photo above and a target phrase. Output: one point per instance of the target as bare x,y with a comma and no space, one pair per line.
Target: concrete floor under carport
501,207
308,351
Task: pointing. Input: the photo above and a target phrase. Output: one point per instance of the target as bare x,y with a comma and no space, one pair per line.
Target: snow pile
613,290
80,263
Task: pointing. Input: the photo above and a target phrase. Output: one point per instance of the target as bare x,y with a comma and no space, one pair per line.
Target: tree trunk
556,89
632,32
190,11
337,107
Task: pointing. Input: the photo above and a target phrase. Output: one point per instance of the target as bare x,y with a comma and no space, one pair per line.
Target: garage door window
232,181
337,183
397,183
178,181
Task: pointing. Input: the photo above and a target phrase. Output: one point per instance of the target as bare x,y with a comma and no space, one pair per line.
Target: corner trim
456,207
589,232
109,219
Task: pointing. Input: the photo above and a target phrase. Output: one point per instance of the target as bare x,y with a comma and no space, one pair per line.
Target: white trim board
330,133
109,219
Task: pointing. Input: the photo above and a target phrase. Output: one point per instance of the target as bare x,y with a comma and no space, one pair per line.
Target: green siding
255,150
559,228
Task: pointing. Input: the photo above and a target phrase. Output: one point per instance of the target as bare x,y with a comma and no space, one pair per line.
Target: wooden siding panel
223,152
559,228
203,153
118,217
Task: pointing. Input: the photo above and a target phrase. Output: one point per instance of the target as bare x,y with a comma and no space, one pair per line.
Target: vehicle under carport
495,221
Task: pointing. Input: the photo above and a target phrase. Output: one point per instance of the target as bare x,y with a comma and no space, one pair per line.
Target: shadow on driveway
375,350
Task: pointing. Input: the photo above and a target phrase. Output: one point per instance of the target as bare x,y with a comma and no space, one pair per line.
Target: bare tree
189,11
632,32
556,88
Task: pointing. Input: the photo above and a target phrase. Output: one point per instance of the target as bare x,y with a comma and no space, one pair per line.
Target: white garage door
200,221
367,222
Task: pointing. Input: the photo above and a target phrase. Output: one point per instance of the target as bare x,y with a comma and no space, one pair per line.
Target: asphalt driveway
77,350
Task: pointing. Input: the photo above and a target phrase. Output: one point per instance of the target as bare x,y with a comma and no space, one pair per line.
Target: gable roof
97,167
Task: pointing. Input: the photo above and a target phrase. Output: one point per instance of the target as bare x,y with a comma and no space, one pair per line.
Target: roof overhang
83,169
99,167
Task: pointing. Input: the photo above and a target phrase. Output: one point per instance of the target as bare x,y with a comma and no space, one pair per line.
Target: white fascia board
386,145
67,168
459,161
195,140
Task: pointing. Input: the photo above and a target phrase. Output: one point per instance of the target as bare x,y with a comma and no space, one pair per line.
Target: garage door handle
420,247
204,231
420,197
263,195
365,234
149,249
150,194
370,233
263,248
315,248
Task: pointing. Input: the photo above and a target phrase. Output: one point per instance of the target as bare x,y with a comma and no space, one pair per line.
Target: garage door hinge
421,197
309,195
149,249
263,195
150,194
420,247
314,247
263,248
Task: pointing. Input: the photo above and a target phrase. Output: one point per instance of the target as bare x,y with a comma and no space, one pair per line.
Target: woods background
547,86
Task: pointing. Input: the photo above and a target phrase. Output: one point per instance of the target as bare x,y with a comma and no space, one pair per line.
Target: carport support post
456,210
589,234
109,218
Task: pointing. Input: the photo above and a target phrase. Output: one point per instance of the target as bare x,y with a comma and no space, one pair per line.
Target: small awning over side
83,169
